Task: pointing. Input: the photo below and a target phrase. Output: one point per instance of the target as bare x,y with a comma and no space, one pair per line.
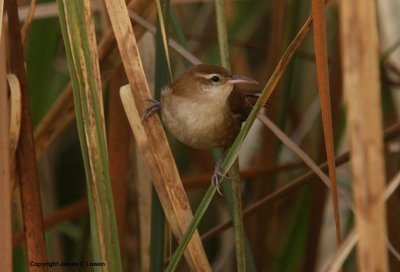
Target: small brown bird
203,110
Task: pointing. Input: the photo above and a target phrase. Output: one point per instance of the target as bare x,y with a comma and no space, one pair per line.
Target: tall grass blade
80,43
163,25
318,11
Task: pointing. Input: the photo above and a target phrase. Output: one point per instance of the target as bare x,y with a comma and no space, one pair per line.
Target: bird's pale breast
199,123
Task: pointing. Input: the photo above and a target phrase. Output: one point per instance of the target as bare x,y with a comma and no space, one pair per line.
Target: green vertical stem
222,33
238,217
162,76
234,171
157,233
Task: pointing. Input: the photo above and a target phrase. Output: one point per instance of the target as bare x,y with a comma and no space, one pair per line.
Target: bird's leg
218,176
152,108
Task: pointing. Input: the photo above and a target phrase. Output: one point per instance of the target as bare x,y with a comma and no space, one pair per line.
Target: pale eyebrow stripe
206,76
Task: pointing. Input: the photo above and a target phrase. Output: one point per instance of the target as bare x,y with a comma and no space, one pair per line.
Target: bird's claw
217,179
154,106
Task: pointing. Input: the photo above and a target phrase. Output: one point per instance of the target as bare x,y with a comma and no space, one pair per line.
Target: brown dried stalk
5,177
26,158
360,57
321,55
151,138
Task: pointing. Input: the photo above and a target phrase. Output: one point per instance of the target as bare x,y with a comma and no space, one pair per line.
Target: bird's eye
215,79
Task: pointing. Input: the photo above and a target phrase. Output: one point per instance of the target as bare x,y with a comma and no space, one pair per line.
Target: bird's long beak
242,79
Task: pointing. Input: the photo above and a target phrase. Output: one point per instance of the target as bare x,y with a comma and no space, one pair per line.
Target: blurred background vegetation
292,231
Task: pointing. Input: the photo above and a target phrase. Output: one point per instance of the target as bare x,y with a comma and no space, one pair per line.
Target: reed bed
314,176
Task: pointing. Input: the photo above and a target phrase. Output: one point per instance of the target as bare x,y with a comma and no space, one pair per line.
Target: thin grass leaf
318,11
161,22
28,21
80,43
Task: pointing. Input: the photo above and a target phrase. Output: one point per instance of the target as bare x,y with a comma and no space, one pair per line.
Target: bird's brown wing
242,102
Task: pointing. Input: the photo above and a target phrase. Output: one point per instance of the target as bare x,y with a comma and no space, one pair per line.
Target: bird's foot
152,108
217,177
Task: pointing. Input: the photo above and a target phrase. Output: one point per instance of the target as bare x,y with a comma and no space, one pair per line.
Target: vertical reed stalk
26,158
5,177
361,78
234,171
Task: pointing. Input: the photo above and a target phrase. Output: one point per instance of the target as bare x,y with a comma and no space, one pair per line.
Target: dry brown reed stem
151,138
5,176
321,55
26,158
359,36
61,114
28,21
152,143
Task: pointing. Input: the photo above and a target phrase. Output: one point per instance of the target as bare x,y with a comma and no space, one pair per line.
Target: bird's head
208,81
